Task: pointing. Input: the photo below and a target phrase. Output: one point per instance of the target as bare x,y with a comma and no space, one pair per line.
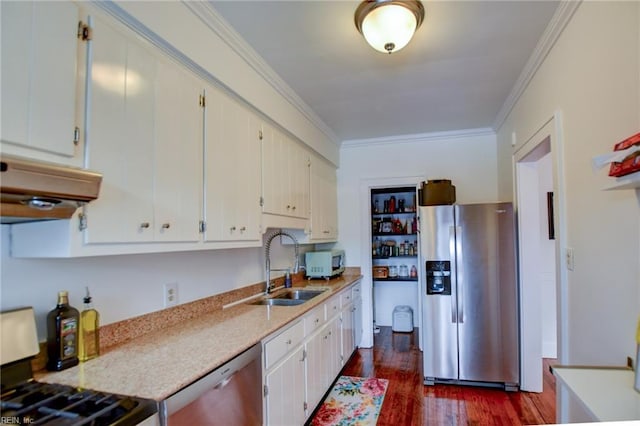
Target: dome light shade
388,25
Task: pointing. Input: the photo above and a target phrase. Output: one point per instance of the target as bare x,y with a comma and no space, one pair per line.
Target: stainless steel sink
298,294
278,302
289,297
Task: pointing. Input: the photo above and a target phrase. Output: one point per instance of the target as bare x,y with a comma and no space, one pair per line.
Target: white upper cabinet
324,202
40,86
121,137
178,155
285,175
145,126
232,170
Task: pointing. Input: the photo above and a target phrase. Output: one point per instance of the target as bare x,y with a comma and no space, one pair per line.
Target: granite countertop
158,364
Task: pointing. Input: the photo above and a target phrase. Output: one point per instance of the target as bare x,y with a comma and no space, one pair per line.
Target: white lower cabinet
319,344
284,391
356,292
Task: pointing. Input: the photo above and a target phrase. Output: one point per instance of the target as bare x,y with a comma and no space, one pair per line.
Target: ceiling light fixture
388,25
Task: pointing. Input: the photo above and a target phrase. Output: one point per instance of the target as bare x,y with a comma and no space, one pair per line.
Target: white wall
131,285
592,77
469,160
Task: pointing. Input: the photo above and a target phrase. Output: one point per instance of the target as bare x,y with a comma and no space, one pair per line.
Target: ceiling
455,74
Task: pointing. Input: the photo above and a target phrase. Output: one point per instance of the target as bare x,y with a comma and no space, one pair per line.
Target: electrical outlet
569,258
170,294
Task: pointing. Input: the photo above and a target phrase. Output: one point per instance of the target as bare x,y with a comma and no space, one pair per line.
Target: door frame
366,185
548,138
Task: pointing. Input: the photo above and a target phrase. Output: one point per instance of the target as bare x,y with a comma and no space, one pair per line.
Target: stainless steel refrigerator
469,294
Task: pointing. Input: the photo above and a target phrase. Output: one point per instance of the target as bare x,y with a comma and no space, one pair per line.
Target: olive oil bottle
62,334
89,342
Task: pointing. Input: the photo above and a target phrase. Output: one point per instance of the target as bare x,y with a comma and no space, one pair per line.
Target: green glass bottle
62,334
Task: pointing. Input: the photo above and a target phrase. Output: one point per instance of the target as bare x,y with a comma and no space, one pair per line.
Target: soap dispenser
89,342
287,279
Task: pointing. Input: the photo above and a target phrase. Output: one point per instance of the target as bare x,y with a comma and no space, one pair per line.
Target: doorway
540,234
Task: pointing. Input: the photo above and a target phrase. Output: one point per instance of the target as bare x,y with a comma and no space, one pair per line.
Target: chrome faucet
296,266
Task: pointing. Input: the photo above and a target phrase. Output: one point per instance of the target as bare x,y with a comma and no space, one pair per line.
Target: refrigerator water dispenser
438,277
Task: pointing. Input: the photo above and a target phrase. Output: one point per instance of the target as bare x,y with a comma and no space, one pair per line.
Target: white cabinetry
145,138
285,177
40,86
357,313
284,399
318,340
324,203
284,378
347,337
232,170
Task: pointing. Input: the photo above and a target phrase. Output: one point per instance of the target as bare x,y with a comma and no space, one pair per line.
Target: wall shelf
631,181
397,279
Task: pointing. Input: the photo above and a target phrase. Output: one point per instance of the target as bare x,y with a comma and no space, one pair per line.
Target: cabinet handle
289,342
144,225
317,320
233,228
325,232
166,225
288,207
244,228
294,207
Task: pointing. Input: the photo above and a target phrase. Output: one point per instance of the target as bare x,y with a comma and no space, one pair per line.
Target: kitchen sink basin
289,297
279,302
298,295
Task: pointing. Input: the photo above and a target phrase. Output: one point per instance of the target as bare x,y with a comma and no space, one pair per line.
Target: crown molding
216,23
558,22
419,137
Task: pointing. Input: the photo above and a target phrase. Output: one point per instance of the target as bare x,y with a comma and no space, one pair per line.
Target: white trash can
402,319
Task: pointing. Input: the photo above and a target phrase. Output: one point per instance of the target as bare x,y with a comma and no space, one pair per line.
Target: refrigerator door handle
459,275
452,276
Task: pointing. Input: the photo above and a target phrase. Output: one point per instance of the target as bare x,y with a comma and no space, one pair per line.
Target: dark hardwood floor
396,357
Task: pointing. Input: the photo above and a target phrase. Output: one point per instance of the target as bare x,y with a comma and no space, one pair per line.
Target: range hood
32,190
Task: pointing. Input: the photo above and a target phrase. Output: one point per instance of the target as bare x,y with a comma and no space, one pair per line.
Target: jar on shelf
393,271
403,271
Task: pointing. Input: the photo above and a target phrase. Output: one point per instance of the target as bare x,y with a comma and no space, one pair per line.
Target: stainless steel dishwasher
229,395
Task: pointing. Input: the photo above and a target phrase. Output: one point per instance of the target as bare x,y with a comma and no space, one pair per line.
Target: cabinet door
298,181
178,154
346,333
232,170
274,171
324,204
334,352
39,56
285,178
316,348
357,314
120,142
285,396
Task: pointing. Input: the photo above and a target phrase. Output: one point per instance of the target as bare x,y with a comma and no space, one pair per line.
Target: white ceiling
456,73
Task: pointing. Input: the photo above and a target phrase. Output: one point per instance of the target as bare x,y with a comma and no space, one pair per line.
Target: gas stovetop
35,403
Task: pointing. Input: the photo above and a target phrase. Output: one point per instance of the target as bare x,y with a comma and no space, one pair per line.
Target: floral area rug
353,401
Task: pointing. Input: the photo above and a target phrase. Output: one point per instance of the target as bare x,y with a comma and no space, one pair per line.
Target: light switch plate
569,258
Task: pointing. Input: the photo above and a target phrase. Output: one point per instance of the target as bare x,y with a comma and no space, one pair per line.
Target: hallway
396,357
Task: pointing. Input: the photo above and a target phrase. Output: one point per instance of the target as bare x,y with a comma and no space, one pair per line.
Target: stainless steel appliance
469,294
35,190
26,401
324,264
230,395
